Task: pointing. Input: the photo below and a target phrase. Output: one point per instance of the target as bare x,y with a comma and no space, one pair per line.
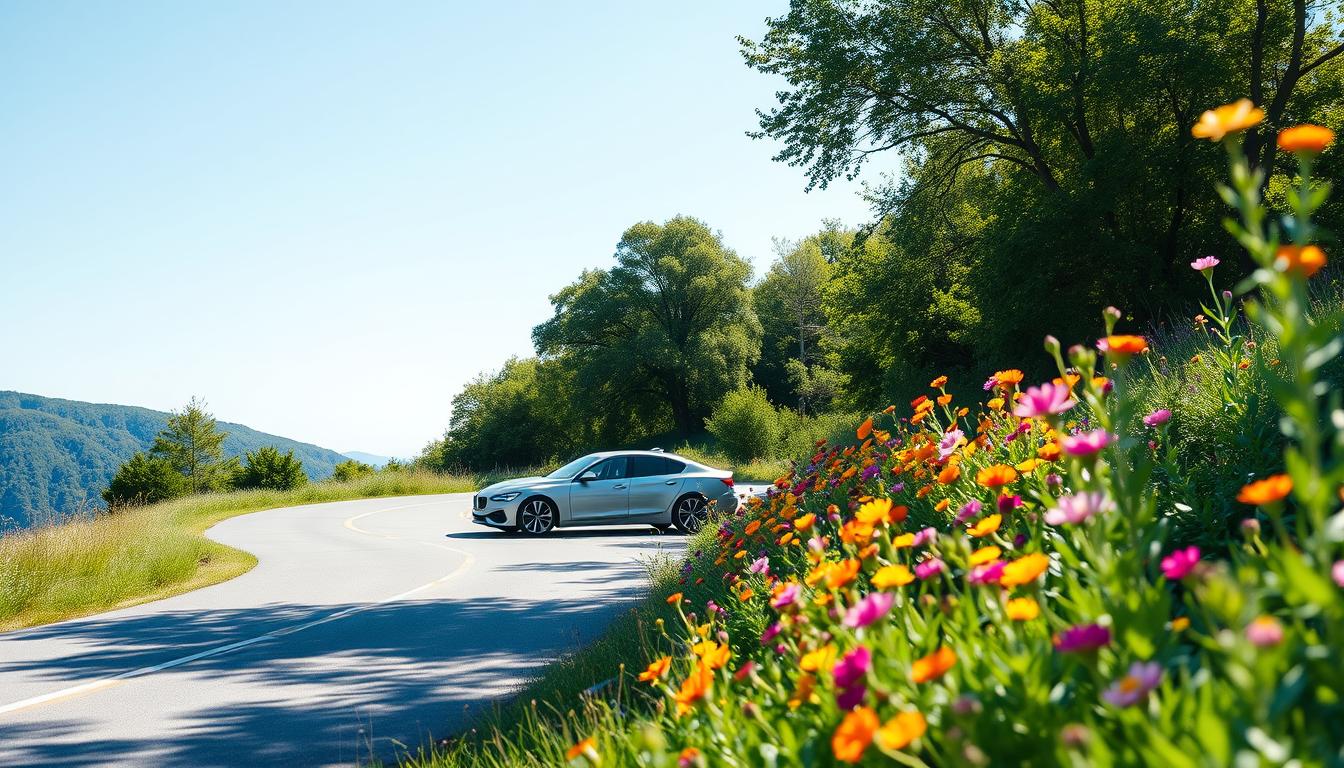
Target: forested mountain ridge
56,455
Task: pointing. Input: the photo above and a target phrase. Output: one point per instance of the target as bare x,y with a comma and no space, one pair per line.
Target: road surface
366,625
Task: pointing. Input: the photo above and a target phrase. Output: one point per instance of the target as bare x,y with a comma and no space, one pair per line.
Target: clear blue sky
325,217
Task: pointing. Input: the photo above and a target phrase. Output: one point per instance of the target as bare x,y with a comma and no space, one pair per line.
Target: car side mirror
586,476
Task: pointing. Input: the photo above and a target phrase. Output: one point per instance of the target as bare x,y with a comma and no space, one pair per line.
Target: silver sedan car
611,488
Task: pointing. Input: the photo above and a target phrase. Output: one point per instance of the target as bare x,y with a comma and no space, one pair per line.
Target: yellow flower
1024,570
903,541
1022,609
820,659
1180,623
995,403
986,526
713,655
892,576
874,512
902,729
985,555
1214,124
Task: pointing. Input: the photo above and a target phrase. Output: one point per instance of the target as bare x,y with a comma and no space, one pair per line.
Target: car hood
520,484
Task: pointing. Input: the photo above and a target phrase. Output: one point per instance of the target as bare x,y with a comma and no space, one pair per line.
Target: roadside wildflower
1022,609
842,573
656,670
1046,400
989,573
587,749
804,522
892,576
865,429
1305,260
933,666
986,526
819,659
925,536
674,598
1267,491
786,595
1264,632
996,476
1024,570
1180,624
1123,346
771,632
1180,563
694,688
1236,117
985,555
1078,508
872,607
1308,138
760,565
849,674
712,654
1204,264
901,730
928,569
969,510
1157,418
1337,573
948,444
1134,686
1088,443
854,734
688,758
1082,638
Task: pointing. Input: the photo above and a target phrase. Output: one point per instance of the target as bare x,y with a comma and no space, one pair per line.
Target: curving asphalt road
366,625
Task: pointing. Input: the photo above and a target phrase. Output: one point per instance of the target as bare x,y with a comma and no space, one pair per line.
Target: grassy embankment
111,561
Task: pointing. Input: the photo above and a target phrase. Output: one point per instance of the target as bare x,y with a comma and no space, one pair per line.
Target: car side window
672,467
645,466
611,469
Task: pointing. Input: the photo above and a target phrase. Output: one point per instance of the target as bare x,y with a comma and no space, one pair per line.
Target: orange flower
854,735
901,730
938,383
1009,378
805,522
1126,345
865,429
986,526
688,756
892,576
944,399
1214,124
694,688
949,474
1267,491
1303,260
1049,452
842,573
803,693
985,555
745,594
674,598
1022,609
713,655
656,670
933,666
587,748
1306,138
752,527
1024,570
996,476
942,505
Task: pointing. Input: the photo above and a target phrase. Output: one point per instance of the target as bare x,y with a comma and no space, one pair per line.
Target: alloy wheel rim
536,516
691,514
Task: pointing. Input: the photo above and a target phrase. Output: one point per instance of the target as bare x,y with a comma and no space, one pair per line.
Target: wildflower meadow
998,583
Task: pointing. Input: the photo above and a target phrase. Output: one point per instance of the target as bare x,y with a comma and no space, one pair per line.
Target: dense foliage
268,468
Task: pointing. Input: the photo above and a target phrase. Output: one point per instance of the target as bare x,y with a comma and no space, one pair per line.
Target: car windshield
572,468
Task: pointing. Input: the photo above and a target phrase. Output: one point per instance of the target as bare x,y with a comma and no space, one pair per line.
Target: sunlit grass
85,566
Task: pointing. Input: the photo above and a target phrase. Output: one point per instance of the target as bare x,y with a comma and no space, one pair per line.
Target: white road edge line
94,685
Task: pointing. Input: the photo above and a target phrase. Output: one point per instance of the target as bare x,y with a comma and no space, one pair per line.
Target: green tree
746,425
144,479
789,303
267,467
350,470
193,444
668,330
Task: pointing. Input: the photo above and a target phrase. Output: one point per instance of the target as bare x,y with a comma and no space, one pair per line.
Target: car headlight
510,496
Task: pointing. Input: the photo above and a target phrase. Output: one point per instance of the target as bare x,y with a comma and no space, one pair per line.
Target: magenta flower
1204,263
1088,443
1082,638
986,574
949,443
851,668
969,510
1072,510
872,607
851,697
787,596
1337,573
1157,418
1265,632
770,633
761,565
1046,400
925,536
928,569
1135,686
1180,563
1007,503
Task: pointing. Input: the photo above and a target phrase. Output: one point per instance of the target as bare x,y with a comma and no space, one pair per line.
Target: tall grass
91,564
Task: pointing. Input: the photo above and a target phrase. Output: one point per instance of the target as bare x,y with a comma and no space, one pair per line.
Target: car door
654,484
604,498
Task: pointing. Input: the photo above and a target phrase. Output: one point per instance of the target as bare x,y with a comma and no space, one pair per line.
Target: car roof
664,454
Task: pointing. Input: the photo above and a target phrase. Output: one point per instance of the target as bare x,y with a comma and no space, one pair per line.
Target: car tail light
728,481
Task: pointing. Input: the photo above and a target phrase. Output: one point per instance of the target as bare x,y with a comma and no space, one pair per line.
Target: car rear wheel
536,516
690,514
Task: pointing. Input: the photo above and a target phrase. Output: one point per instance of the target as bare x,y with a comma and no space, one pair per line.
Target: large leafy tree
667,331
193,444
144,479
789,303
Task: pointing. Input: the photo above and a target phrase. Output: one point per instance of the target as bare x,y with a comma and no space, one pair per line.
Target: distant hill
56,455
372,459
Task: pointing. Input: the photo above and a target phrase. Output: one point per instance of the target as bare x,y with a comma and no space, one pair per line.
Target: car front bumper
496,514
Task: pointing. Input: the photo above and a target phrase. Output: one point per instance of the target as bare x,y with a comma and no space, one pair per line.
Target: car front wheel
690,514
536,516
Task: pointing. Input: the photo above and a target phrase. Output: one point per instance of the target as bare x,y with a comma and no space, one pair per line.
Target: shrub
268,468
746,425
144,479
350,470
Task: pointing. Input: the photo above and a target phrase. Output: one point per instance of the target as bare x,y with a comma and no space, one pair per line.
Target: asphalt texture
367,628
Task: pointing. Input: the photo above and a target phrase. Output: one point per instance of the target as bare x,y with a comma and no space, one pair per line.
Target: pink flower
1180,563
986,574
851,668
1046,400
969,509
1135,686
1084,637
1072,510
851,697
1158,417
928,569
770,633
872,607
787,596
1265,632
1088,443
1007,503
1204,263
761,565
925,536
1337,572
948,444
